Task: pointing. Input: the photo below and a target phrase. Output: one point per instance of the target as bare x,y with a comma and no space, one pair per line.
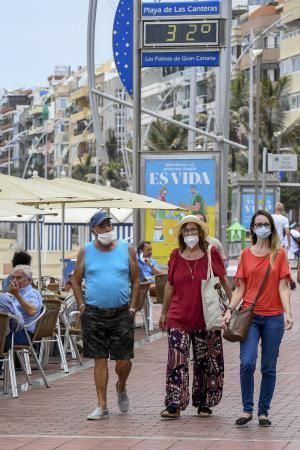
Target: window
294,101
290,65
61,103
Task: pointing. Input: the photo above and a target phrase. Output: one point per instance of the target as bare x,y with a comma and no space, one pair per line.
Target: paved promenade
55,418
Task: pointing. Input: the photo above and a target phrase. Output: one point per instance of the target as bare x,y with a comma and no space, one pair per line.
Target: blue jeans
270,330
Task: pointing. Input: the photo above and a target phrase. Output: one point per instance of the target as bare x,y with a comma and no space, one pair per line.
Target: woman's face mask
106,238
263,232
191,241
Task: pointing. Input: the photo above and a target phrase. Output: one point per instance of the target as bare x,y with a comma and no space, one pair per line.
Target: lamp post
257,54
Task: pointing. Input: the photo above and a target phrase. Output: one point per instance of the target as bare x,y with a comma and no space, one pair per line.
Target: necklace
191,269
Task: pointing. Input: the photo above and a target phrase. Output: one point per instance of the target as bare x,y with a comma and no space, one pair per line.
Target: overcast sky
37,35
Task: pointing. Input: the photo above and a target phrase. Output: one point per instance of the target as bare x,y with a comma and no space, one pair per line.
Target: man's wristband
133,310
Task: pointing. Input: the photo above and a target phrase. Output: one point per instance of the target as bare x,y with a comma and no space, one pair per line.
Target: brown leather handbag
240,321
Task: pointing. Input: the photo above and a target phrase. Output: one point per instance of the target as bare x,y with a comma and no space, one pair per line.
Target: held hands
163,321
13,288
288,322
226,319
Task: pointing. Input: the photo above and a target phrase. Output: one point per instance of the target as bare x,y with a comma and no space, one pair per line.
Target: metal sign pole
136,116
222,119
264,178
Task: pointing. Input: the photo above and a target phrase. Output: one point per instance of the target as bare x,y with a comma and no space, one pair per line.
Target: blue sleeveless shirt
106,276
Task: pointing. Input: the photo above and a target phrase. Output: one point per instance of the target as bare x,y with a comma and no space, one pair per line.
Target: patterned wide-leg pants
208,368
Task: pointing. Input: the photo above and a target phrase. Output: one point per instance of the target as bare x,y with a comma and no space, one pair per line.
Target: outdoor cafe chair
51,330
47,330
142,305
160,284
25,349
7,358
72,322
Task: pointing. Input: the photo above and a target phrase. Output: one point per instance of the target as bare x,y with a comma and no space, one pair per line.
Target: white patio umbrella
99,197
38,191
10,210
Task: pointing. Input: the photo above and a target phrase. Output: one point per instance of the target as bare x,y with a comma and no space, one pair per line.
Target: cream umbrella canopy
9,210
37,191
126,199
99,196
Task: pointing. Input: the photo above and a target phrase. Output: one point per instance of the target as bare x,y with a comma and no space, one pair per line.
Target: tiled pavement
46,419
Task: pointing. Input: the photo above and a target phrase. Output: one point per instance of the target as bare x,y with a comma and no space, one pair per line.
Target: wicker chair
160,283
142,305
47,330
7,358
72,322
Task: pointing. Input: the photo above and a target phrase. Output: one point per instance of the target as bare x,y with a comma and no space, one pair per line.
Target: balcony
239,7
84,137
85,113
6,109
290,44
61,138
35,110
35,130
6,127
79,93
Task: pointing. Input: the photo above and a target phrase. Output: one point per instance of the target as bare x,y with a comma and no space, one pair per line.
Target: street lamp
256,54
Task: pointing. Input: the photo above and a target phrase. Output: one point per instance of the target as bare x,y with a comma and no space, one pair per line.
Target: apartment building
290,56
12,105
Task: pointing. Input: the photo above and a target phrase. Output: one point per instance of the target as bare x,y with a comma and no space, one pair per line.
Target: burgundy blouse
185,311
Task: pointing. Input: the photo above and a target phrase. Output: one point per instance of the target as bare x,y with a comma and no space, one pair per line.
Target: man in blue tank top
107,308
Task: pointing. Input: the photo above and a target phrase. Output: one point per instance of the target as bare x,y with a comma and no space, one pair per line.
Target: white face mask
106,238
191,241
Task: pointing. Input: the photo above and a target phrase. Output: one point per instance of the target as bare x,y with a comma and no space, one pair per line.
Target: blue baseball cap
98,218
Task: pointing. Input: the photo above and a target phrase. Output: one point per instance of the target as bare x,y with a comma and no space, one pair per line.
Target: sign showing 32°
181,33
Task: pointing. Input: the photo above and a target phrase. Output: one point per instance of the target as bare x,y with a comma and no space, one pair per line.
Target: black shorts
107,337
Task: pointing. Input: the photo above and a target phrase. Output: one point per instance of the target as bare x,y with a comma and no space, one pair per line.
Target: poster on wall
186,180
248,206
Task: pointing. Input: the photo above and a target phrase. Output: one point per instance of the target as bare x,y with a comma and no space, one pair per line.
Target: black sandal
242,421
170,413
204,411
264,422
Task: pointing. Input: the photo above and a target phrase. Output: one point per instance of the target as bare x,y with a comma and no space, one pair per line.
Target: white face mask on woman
191,241
106,238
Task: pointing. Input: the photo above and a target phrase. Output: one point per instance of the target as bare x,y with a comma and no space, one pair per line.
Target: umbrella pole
63,206
38,238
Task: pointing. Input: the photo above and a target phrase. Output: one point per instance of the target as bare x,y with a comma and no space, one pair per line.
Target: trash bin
69,265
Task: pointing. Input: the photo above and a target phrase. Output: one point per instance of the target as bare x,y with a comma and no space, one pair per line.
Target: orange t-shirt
251,270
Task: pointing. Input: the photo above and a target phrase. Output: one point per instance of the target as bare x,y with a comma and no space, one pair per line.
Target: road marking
150,438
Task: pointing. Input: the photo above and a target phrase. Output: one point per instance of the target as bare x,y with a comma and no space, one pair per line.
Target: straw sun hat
191,219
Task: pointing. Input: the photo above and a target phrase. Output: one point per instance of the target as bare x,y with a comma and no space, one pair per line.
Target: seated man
26,299
148,267
20,257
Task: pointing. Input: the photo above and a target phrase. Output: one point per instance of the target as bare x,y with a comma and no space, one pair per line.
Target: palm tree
84,169
239,118
164,136
111,145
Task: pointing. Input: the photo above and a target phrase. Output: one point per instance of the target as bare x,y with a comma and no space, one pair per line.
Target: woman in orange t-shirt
268,321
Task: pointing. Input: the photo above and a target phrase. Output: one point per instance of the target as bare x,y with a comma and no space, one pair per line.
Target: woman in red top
268,321
182,315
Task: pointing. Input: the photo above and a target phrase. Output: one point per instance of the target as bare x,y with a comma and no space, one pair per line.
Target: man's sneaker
98,414
123,400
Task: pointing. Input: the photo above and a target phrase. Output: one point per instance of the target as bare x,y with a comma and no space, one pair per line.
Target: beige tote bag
214,300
